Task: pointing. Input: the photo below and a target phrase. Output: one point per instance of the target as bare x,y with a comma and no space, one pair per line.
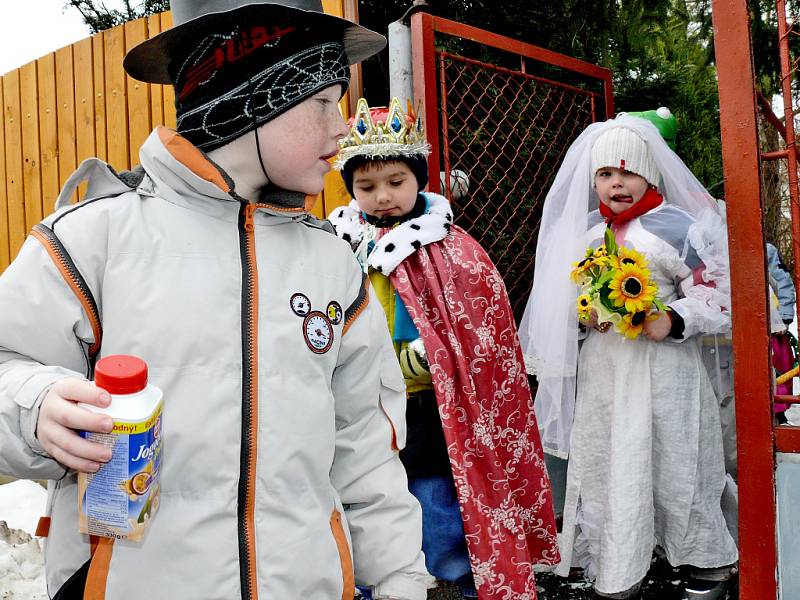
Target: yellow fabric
386,296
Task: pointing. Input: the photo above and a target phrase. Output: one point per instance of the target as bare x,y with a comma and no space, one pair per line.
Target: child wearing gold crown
636,415
473,455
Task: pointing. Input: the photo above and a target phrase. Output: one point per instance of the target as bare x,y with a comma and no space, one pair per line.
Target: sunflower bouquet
615,283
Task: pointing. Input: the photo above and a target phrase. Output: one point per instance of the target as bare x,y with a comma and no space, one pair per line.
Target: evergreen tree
98,17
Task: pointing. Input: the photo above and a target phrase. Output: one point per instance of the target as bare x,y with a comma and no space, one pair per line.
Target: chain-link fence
508,131
507,114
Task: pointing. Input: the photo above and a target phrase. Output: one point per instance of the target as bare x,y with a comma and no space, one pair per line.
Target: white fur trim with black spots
398,243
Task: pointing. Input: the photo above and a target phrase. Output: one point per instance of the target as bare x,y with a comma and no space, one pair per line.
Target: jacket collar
183,174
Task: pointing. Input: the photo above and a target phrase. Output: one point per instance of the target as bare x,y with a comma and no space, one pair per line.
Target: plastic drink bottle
120,499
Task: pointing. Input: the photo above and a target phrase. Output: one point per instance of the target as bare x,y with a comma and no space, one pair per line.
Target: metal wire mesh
774,133
508,131
775,191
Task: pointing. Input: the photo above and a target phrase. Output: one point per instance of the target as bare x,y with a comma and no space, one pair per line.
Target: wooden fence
75,103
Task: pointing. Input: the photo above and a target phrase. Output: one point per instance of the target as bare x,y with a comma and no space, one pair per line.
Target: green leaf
606,277
611,242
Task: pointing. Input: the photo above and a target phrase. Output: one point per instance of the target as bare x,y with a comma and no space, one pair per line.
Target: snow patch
21,562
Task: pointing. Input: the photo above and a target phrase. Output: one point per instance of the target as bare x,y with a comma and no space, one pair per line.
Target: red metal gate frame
423,29
758,439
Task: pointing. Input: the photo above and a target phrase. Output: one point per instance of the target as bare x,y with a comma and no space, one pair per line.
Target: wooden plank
29,116
116,102
84,104
138,94
333,7
335,192
48,132
65,96
4,251
15,193
332,194
168,90
99,74
156,91
169,107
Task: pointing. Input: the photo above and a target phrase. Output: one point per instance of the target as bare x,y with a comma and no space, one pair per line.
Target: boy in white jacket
283,404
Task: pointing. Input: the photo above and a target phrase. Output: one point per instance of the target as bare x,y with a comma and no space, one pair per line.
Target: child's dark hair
417,164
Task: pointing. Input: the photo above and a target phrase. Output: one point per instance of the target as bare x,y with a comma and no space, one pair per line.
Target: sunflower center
632,287
637,318
584,302
628,261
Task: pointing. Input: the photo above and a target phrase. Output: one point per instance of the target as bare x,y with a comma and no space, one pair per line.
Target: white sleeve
44,333
384,518
704,291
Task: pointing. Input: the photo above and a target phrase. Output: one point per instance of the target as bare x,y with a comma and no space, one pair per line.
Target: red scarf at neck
649,201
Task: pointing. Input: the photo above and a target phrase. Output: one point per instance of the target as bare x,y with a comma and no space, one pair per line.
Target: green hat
665,122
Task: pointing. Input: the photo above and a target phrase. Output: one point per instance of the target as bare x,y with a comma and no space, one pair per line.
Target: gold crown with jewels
381,133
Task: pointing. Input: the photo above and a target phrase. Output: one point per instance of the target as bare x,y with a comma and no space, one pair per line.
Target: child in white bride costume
637,417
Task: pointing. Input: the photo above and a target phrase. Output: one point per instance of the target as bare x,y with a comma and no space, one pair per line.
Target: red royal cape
459,304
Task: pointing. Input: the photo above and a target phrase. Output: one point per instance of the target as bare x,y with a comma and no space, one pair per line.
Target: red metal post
423,54
740,154
609,96
787,439
513,46
445,137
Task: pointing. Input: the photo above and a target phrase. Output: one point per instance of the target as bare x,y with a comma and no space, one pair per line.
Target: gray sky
32,28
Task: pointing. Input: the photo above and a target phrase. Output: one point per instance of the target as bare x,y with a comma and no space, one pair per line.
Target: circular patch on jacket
335,312
300,304
318,332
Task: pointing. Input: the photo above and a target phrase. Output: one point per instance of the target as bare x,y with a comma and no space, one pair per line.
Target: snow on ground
21,564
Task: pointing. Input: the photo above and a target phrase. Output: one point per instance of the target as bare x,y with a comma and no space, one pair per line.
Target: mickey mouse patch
317,326
335,312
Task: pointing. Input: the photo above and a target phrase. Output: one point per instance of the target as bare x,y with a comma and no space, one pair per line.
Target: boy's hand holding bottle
60,419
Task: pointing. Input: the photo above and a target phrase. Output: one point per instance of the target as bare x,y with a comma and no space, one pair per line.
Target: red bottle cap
121,374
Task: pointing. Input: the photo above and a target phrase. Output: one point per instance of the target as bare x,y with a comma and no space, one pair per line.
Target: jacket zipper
249,448
75,281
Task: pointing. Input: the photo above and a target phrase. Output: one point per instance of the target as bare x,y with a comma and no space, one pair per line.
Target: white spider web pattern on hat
275,88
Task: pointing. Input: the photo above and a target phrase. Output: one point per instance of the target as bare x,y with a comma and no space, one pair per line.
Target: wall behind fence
69,105
78,102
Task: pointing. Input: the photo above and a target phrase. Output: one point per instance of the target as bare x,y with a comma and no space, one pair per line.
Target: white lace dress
646,462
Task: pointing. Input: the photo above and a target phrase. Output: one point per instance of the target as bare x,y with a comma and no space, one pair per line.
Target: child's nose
339,126
383,195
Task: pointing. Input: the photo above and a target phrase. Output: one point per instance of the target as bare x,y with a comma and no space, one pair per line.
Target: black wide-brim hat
150,60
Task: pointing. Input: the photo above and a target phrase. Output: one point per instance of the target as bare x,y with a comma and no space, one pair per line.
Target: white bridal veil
549,327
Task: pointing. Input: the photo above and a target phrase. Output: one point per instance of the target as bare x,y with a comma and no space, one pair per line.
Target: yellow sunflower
632,324
579,269
626,256
631,288
584,304
600,251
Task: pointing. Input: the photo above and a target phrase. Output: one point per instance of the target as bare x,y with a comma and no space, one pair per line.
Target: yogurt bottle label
119,500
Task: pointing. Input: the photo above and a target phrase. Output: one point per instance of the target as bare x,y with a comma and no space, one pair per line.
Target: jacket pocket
348,577
393,405
393,397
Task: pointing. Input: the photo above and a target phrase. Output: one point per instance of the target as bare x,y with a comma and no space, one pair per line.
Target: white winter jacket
282,421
